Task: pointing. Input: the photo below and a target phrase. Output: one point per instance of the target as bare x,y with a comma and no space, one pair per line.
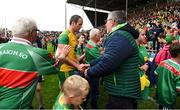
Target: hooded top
120,62
163,54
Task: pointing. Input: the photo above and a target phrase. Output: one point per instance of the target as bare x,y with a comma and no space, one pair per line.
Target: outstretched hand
65,50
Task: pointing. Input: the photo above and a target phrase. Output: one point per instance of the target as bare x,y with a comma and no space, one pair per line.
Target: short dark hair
74,18
174,49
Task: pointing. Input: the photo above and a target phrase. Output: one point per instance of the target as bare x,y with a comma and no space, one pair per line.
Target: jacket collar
117,27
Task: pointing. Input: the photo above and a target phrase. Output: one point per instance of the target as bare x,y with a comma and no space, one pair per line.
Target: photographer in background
155,30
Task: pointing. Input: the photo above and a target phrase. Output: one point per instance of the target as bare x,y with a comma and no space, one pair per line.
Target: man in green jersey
21,64
168,78
92,51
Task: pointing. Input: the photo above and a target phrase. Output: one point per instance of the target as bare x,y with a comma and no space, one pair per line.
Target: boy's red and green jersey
92,51
20,66
168,80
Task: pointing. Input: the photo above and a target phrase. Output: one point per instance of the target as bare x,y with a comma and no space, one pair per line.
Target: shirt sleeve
94,52
93,62
116,52
44,62
177,80
63,39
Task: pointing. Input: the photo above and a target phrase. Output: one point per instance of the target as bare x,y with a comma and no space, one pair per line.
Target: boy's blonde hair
75,86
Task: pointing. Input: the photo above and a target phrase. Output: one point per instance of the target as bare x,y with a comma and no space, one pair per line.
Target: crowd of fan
161,25
158,20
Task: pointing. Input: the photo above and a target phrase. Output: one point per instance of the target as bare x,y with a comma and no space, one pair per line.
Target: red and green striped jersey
20,66
92,51
168,79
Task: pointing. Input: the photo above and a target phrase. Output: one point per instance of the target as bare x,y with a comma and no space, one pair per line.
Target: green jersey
92,51
168,79
20,66
143,55
68,38
59,104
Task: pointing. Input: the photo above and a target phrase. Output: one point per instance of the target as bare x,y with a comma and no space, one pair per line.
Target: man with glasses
21,64
119,63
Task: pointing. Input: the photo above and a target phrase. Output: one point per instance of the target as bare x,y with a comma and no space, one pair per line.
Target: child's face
143,37
79,99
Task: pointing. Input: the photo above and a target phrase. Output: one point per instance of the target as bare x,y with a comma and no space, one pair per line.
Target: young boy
168,78
74,92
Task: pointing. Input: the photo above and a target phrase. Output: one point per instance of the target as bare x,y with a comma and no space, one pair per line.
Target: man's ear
73,23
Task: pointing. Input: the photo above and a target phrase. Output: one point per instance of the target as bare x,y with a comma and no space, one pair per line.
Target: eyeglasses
35,30
107,20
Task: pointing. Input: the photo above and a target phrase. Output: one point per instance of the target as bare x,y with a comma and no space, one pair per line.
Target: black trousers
119,102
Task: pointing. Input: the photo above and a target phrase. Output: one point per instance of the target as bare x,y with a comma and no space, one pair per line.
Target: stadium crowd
151,49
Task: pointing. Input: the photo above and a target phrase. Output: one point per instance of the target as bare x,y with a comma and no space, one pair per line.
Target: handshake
61,55
83,68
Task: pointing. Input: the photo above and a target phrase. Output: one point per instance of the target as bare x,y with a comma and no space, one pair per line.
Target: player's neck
71,30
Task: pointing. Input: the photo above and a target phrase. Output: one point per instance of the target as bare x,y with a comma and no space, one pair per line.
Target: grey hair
93,32
118,16
23,25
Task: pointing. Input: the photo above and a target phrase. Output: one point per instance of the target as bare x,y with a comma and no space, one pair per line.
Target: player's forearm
71,62
81,57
